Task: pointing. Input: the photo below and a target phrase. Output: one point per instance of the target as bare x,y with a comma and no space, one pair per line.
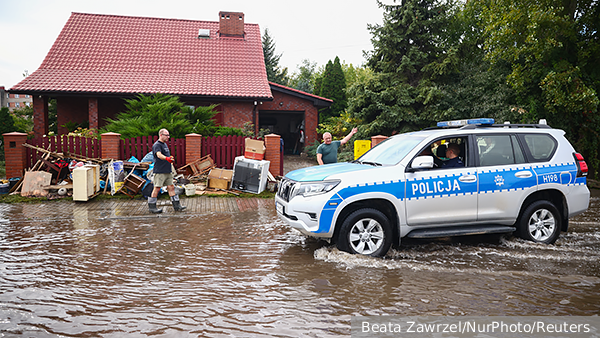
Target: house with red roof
97,61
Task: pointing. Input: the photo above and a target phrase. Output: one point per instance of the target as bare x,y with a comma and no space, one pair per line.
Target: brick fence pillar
273,153
15,154
110,145
193,147
377,139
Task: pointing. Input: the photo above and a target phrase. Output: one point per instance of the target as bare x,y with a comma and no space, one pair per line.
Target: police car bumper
306,222
578,200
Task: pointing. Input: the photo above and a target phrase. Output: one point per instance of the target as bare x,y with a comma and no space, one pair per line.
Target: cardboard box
254,149
220,178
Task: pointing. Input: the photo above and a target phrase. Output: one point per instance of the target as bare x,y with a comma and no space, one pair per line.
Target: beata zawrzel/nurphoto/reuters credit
467,327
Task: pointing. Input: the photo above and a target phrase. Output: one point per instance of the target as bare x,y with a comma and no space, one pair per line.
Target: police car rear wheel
540,223
366,232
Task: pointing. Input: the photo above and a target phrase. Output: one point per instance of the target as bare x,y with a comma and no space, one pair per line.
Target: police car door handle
468,178
524,174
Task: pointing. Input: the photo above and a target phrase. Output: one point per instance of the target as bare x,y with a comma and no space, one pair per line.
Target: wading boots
177,204
152,205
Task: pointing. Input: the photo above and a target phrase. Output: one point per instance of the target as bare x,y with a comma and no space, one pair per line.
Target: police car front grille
285,188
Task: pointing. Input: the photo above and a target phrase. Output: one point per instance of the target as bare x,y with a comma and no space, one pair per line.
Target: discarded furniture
197,167
250,175
58,172
132,185
86,182
220,178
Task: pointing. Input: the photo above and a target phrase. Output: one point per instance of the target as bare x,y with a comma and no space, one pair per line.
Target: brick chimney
231,24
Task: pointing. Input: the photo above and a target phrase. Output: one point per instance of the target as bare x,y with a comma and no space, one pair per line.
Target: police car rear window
541,146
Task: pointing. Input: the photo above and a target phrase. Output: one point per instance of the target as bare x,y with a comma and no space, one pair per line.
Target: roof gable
121,54
317,101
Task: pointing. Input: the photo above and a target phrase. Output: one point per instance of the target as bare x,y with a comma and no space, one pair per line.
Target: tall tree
333,86
274,72
304,79
553,51
469,86
411,38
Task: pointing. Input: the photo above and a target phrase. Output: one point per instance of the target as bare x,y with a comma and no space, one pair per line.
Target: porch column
15,154
40,115
93,112
273,154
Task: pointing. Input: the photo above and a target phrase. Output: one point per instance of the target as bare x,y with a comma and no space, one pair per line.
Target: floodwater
245,274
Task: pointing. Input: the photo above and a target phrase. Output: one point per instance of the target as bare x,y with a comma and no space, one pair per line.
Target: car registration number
279,208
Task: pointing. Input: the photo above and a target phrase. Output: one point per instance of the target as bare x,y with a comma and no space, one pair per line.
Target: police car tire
545,215
351,225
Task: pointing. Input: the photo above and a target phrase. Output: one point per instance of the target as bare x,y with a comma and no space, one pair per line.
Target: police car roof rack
508,125
484,123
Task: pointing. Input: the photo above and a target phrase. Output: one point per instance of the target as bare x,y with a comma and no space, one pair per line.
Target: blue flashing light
485,121
460,123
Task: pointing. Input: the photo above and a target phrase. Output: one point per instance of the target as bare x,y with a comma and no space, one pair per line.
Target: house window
16,96
17,104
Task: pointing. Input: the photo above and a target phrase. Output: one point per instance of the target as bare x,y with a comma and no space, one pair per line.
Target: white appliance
250,175
86,182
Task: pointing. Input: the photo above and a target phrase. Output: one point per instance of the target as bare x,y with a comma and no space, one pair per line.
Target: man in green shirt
327,151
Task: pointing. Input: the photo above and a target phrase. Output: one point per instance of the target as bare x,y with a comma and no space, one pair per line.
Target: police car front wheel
366,232
540,223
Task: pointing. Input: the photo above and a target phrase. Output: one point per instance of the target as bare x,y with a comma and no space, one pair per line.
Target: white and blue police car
524,179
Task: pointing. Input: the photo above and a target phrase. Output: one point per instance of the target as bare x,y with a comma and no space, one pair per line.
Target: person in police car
452,153
327,151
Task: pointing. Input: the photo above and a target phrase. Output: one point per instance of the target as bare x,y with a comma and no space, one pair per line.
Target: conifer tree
410,39
333,86
274,72
7,124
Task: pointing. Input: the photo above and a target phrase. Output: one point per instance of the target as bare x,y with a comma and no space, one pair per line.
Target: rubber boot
177,204
152,205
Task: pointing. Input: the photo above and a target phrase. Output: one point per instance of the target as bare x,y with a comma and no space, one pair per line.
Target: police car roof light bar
462,123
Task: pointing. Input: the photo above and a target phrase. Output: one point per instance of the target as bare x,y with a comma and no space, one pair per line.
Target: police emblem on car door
505,177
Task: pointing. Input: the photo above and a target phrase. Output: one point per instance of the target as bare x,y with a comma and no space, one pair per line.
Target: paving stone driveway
124,208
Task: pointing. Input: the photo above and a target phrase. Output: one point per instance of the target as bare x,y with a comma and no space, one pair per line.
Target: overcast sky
318,30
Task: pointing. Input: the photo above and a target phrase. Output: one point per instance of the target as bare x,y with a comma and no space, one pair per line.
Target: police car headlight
313,188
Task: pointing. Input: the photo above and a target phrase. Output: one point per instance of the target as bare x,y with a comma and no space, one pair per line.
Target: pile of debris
58,175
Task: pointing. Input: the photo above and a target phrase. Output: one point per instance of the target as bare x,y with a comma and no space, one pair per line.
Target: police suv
524,179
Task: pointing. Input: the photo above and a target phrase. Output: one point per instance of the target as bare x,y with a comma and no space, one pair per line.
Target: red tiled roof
121,54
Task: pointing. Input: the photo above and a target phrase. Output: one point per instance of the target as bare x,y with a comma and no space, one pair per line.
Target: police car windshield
392,150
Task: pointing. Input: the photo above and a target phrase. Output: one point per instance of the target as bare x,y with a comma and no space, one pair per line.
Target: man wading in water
163,174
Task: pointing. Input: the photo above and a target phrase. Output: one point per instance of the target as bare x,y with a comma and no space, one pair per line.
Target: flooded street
244,274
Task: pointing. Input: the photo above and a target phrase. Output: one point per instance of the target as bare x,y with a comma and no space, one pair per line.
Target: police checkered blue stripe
438,185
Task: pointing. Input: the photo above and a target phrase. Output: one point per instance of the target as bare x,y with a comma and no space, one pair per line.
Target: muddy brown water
245,274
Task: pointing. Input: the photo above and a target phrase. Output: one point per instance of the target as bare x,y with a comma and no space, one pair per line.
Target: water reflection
246,274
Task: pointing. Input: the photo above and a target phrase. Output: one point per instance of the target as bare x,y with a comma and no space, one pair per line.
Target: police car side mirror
421,162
